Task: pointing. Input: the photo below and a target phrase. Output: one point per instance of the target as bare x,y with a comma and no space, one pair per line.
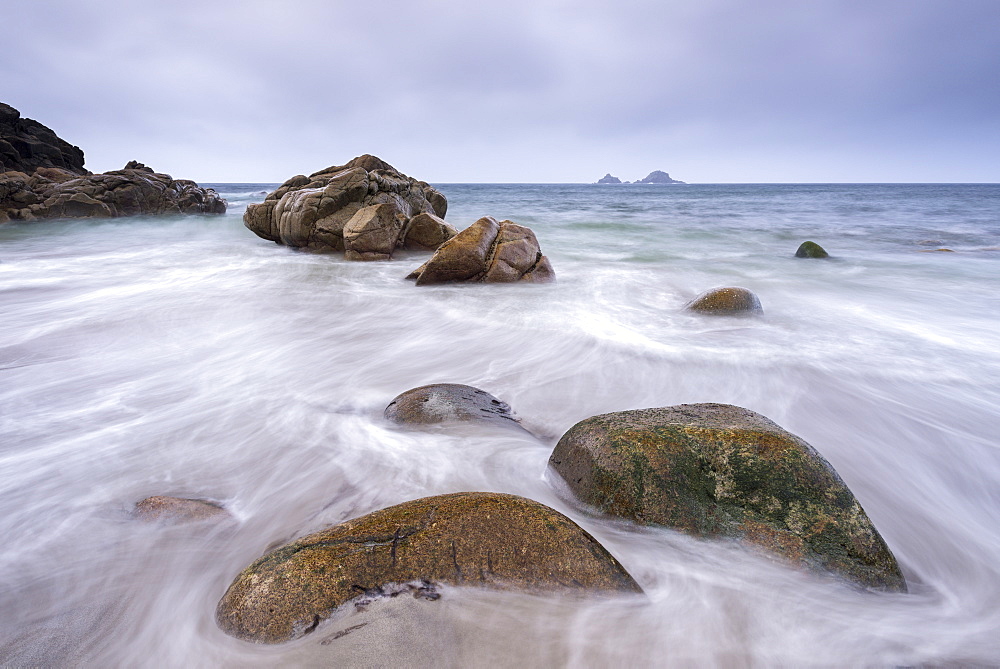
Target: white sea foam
188,357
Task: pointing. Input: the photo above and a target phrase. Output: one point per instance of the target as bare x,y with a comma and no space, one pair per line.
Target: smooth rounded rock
729,301
444,402
811,250
177,509
717,470
473,538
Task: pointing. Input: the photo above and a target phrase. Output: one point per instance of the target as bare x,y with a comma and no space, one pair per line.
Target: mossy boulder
447,402
177,509
729,301
472,538
716,470
811,250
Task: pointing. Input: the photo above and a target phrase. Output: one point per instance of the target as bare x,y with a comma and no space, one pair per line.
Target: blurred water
187,357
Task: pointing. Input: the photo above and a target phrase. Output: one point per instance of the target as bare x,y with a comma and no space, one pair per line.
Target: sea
186,356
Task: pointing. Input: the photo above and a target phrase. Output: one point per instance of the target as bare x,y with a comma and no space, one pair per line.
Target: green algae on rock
717,470
729,301
811,250
471,538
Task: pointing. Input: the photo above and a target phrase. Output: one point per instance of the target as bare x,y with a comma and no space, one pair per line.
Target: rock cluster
42,176
365,208
711,470
473,538
487,252
716,470
52,192
26,145
608,179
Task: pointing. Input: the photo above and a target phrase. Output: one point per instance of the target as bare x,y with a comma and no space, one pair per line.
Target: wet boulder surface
488,251
728,301
717,470
365,208
811,250
449,402
479,539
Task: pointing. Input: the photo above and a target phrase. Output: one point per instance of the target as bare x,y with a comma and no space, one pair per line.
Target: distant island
654,177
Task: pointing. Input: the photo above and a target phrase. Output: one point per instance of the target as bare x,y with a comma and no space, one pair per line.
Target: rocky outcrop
716,470
730,301
132,191
42,176
447,402
487,252
26,145
811,250
177,509
474,538
658,177
365,208
608,179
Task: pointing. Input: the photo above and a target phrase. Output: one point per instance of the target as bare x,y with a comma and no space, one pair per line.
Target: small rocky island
43,176
654,177
658,177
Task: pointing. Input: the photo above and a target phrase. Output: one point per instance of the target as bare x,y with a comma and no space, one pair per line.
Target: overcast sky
519,90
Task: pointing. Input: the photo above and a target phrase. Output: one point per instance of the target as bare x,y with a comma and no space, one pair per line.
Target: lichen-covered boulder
177,509
811,250
716,470
321,211
729,301
487,252
473,538
445,402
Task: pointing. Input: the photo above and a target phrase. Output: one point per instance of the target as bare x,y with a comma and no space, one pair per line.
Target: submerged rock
726,302
716,470
177,509
811,250
365,208
473,538
444,402
487,252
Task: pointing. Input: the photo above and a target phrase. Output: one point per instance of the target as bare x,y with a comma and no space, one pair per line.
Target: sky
540,91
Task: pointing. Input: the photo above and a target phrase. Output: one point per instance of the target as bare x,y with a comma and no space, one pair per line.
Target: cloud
541,90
